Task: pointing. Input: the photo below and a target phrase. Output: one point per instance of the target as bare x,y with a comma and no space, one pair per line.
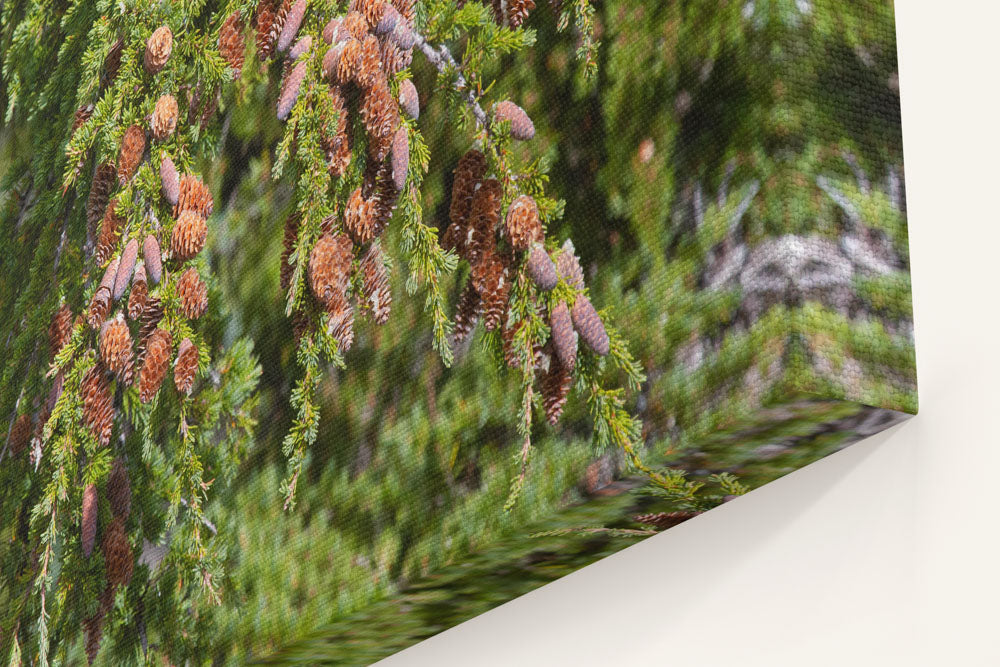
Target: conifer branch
445,63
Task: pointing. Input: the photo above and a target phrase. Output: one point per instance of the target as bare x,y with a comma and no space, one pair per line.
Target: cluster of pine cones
497,250
118,557
367,46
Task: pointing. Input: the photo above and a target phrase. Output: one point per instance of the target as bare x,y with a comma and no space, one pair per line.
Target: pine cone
126,264
409,99
341,324
568,266
375,284
270,20
155,364
130,155
355,24
405,9
404,37
193,196
380,115
111,227
357,220
483,220
93,630
555,385
591,328
286,270
97,408
541,268
334,32
521,127
494,288
164,118
290,90
291,28
394,58
470,171
232,45
20,433
329,268
169,183
148,321
518,10
188,236
151,258
100,192
343,61
158,48
100,307
115,346
60,329
118,561
112,63
185,366
301,48
370,66
523,224
88,520
193,294
387,23
563,335
372,10
400,157
139,293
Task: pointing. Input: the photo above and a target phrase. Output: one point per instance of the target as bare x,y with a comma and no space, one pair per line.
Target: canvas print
330,324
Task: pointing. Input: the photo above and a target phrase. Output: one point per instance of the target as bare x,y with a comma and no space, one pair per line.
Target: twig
442,59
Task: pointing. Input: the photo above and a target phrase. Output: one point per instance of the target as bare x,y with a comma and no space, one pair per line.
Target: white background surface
887,553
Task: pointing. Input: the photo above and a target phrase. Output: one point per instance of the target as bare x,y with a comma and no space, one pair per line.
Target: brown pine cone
523,224
188,236
88,520
139,293
60,329
372,10
291,28
270,20
185,366
98,411
115,346
591,328
370,66
111,227
130,155
470,171
193,195
151,258
387,23
112,63
521,127
126,264
405,9
518,10
93,630
357,220
563,335
100,192
290,89
193,294
335,139
467,312
341,323
490,279
334,32
155,364
100,307
232,45
399,157
286,270
382,202
541,268
148,321
555,386
380,115
342,61
158,48
568,266
409,99
375,284
301,48
355,24
20,434
329,268
118,561
164,118
483,220
119,490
